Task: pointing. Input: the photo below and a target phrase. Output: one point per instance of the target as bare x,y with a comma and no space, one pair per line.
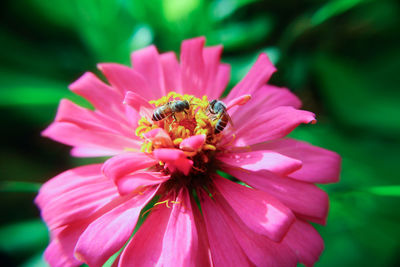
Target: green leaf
23,236
357,96
390,190
21,187
35,261
238,35
331,9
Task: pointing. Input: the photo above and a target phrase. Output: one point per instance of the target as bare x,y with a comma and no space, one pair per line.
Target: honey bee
216,110
170,109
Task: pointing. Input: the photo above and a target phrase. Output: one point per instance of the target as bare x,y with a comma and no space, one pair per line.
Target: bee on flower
168,138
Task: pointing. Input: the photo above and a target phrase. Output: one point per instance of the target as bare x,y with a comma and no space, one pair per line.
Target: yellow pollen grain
209,147
177,141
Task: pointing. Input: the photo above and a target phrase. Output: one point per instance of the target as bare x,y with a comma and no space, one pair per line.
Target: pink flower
92,210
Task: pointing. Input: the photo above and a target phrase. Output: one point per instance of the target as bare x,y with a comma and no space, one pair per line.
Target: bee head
217,106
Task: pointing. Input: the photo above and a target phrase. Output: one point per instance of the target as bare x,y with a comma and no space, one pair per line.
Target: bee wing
229,119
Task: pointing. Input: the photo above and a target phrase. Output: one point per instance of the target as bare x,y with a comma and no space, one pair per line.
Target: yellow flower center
179,125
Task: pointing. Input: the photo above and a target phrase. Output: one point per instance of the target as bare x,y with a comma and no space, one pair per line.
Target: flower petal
192,66
103,97
223,77
258,75
146,61
182,245
56,257
75,194
261,160
107,234
193,143
268,216
263,100
159,137
274,124
172,72
225,250
126,79
90,120
124,164
303,198
305,242
135,182
261,250
74,135
176,159
167,238
212,56
319,165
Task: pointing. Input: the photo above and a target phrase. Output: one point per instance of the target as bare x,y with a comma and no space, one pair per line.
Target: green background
341,57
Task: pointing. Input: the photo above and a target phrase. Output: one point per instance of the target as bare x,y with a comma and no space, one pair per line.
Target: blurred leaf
221,9
357,98
35,261
142,37
176,10
331,9
242,34
16,186
23,236
393,190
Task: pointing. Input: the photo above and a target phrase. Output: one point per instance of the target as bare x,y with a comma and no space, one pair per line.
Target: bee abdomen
220,126
158,115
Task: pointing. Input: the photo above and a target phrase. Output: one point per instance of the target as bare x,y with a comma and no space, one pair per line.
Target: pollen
179,125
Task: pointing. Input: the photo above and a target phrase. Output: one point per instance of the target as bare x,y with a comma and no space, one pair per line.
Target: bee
216,110
170,109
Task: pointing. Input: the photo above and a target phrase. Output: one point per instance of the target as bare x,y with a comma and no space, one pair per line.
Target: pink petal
90,120
263,100
223,77
60,252
225,250
137,181
159,137
303,198
258,75
104,98
147,62
56,257
305,242
319,165
212,56
182,245
261,160
126,79
92,152
124,164
175,157
274,124
167,238
75,194
192,67
171,71
193,143
74,135
260,250
107,234
146,246
136,101
268,216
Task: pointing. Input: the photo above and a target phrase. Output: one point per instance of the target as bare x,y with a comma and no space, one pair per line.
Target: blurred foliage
341,57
